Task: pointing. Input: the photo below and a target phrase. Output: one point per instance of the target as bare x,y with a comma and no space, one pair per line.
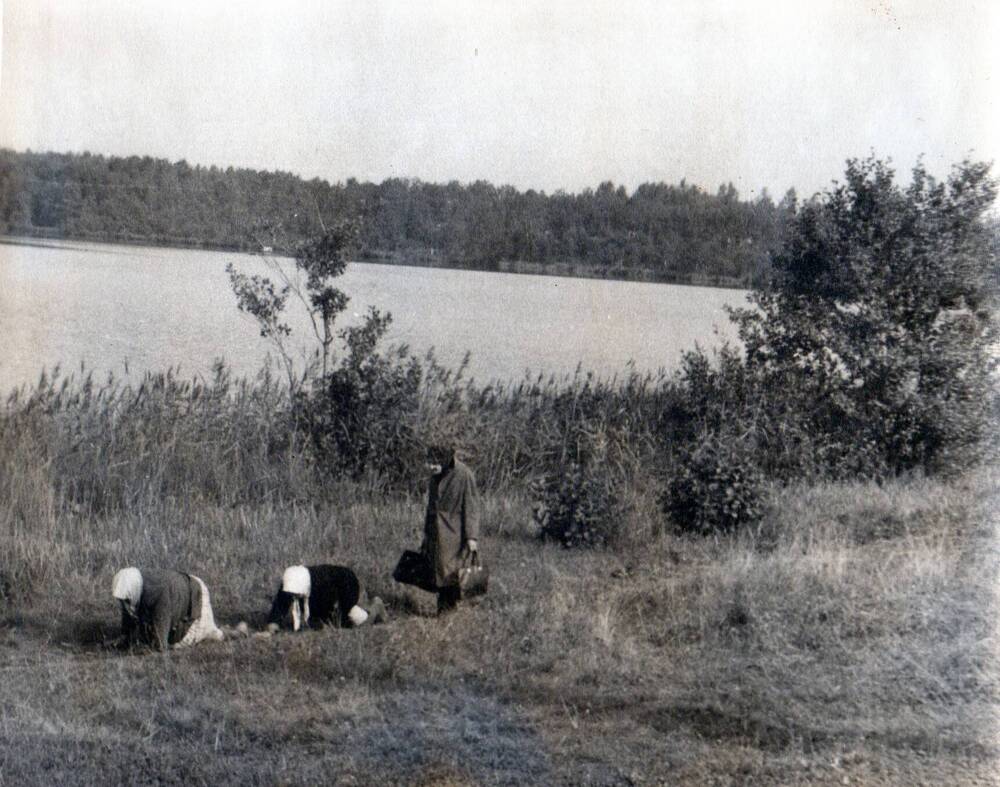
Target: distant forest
659,232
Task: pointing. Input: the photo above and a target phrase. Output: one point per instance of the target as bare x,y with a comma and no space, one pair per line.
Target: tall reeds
113,445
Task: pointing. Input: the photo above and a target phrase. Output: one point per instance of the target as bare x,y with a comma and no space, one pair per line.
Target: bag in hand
414,569
473,577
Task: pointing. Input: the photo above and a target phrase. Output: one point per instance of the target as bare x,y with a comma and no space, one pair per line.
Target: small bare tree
317,262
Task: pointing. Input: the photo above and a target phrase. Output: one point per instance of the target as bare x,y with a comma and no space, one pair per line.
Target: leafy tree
876,330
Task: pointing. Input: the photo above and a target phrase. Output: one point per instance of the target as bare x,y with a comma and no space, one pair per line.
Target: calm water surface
116,307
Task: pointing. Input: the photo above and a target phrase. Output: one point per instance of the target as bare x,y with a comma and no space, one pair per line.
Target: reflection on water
112,307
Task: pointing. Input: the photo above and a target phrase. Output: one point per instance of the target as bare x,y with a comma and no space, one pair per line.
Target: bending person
162,607
322,595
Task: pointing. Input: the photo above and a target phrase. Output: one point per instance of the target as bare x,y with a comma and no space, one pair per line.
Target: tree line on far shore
662,232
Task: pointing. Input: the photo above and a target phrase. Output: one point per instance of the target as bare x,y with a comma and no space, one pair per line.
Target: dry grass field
851,639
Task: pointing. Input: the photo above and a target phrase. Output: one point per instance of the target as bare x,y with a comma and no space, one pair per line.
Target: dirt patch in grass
714,724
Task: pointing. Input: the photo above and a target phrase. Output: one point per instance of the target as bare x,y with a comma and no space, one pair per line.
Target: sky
546,95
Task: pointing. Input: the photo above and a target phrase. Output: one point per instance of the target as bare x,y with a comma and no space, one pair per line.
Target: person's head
439,456
296,583
127,588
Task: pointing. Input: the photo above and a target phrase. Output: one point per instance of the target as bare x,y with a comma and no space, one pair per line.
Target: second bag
414,569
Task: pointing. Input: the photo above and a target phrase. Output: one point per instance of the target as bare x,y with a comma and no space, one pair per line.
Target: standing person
451,527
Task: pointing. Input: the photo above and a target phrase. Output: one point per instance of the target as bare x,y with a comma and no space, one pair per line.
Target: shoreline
566,270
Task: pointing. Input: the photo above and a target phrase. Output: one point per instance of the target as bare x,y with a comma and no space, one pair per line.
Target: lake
129,309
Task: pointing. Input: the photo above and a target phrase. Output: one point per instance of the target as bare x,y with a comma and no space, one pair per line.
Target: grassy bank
853,637
849,636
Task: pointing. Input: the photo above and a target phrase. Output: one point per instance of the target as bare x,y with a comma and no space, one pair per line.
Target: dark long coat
452,519
169,603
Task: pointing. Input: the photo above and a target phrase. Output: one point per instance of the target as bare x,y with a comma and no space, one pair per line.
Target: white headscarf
296,580
204,625
127,586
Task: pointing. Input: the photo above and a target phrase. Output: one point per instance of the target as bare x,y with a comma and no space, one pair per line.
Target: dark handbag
414,569
473,577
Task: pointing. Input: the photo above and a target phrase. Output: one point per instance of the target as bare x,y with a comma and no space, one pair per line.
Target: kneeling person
321,595
162,607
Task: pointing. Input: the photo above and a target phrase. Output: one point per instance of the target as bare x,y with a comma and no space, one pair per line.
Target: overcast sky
542,95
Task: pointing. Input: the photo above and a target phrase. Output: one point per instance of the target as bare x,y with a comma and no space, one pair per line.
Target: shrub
360,417
577,507
717,486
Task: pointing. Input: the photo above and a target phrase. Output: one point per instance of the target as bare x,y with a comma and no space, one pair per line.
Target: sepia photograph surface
480,393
